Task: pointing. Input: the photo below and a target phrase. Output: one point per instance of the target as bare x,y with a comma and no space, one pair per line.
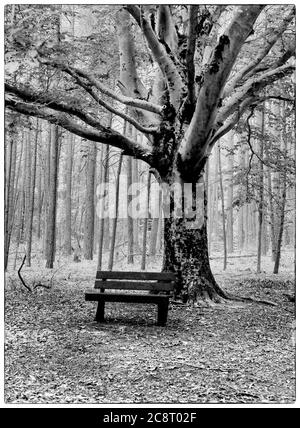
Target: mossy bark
186,254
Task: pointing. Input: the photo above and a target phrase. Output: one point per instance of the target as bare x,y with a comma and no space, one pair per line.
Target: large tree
208,65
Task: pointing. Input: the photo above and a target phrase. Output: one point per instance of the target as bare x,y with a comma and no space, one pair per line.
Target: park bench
152,285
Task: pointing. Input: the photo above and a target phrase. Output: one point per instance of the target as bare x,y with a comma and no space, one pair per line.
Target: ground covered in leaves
232,353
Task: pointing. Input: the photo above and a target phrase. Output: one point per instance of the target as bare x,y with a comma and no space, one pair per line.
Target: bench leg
100,311
162,314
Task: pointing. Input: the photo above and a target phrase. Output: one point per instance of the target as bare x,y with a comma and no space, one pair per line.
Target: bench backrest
152,281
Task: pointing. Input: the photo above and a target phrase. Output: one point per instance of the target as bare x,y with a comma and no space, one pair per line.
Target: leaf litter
235,353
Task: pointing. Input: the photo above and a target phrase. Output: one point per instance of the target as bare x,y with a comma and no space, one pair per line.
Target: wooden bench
153,282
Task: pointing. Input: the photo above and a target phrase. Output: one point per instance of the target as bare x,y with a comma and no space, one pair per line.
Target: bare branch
129,101
194,145
101,134
161,56
113,110
191,46
233,120
252,87
267,46
290,52
66,106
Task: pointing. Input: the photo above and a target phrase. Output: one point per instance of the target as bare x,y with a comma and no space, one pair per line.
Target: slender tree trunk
261,194
28,189
52,197
223,209
88,243
18,204
10,172
135,179
115,219
271,215
40,195
130,231
241,233
213,211
47,154
154,227
145,225
104,180
68,194
230,197
32,199
283,180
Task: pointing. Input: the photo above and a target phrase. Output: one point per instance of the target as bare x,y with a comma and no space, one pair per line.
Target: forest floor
231,353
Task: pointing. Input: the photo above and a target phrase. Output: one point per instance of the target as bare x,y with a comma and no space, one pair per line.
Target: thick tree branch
165,27
232,120
100,134
89,88
66,106
267,46
252,87
217,71
129,101
160,55
289,53
191,47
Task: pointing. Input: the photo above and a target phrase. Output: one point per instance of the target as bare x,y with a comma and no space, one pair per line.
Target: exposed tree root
20,276
211,295
251,299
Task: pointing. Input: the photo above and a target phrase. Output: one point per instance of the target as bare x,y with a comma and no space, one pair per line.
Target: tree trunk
40,196
145,225
135,179
230,196
52,197
88,242
68,194
261,194
32,198
130,248
186,254
104,180
241,214
223,209
154,227
283,181
115,219
10,167
271,214
213,210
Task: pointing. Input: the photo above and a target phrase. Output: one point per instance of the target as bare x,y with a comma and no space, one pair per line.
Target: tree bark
155,226
223,209
130,232
68,194
283,180
186,254
145,224
89,218
230,196
52,197
261,194
32,198
104,180
115,219
10,172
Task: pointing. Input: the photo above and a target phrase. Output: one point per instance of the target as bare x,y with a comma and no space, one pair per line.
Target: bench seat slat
143,276
131,285
122,297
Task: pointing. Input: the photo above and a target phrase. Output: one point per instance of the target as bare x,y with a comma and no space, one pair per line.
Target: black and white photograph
149,169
